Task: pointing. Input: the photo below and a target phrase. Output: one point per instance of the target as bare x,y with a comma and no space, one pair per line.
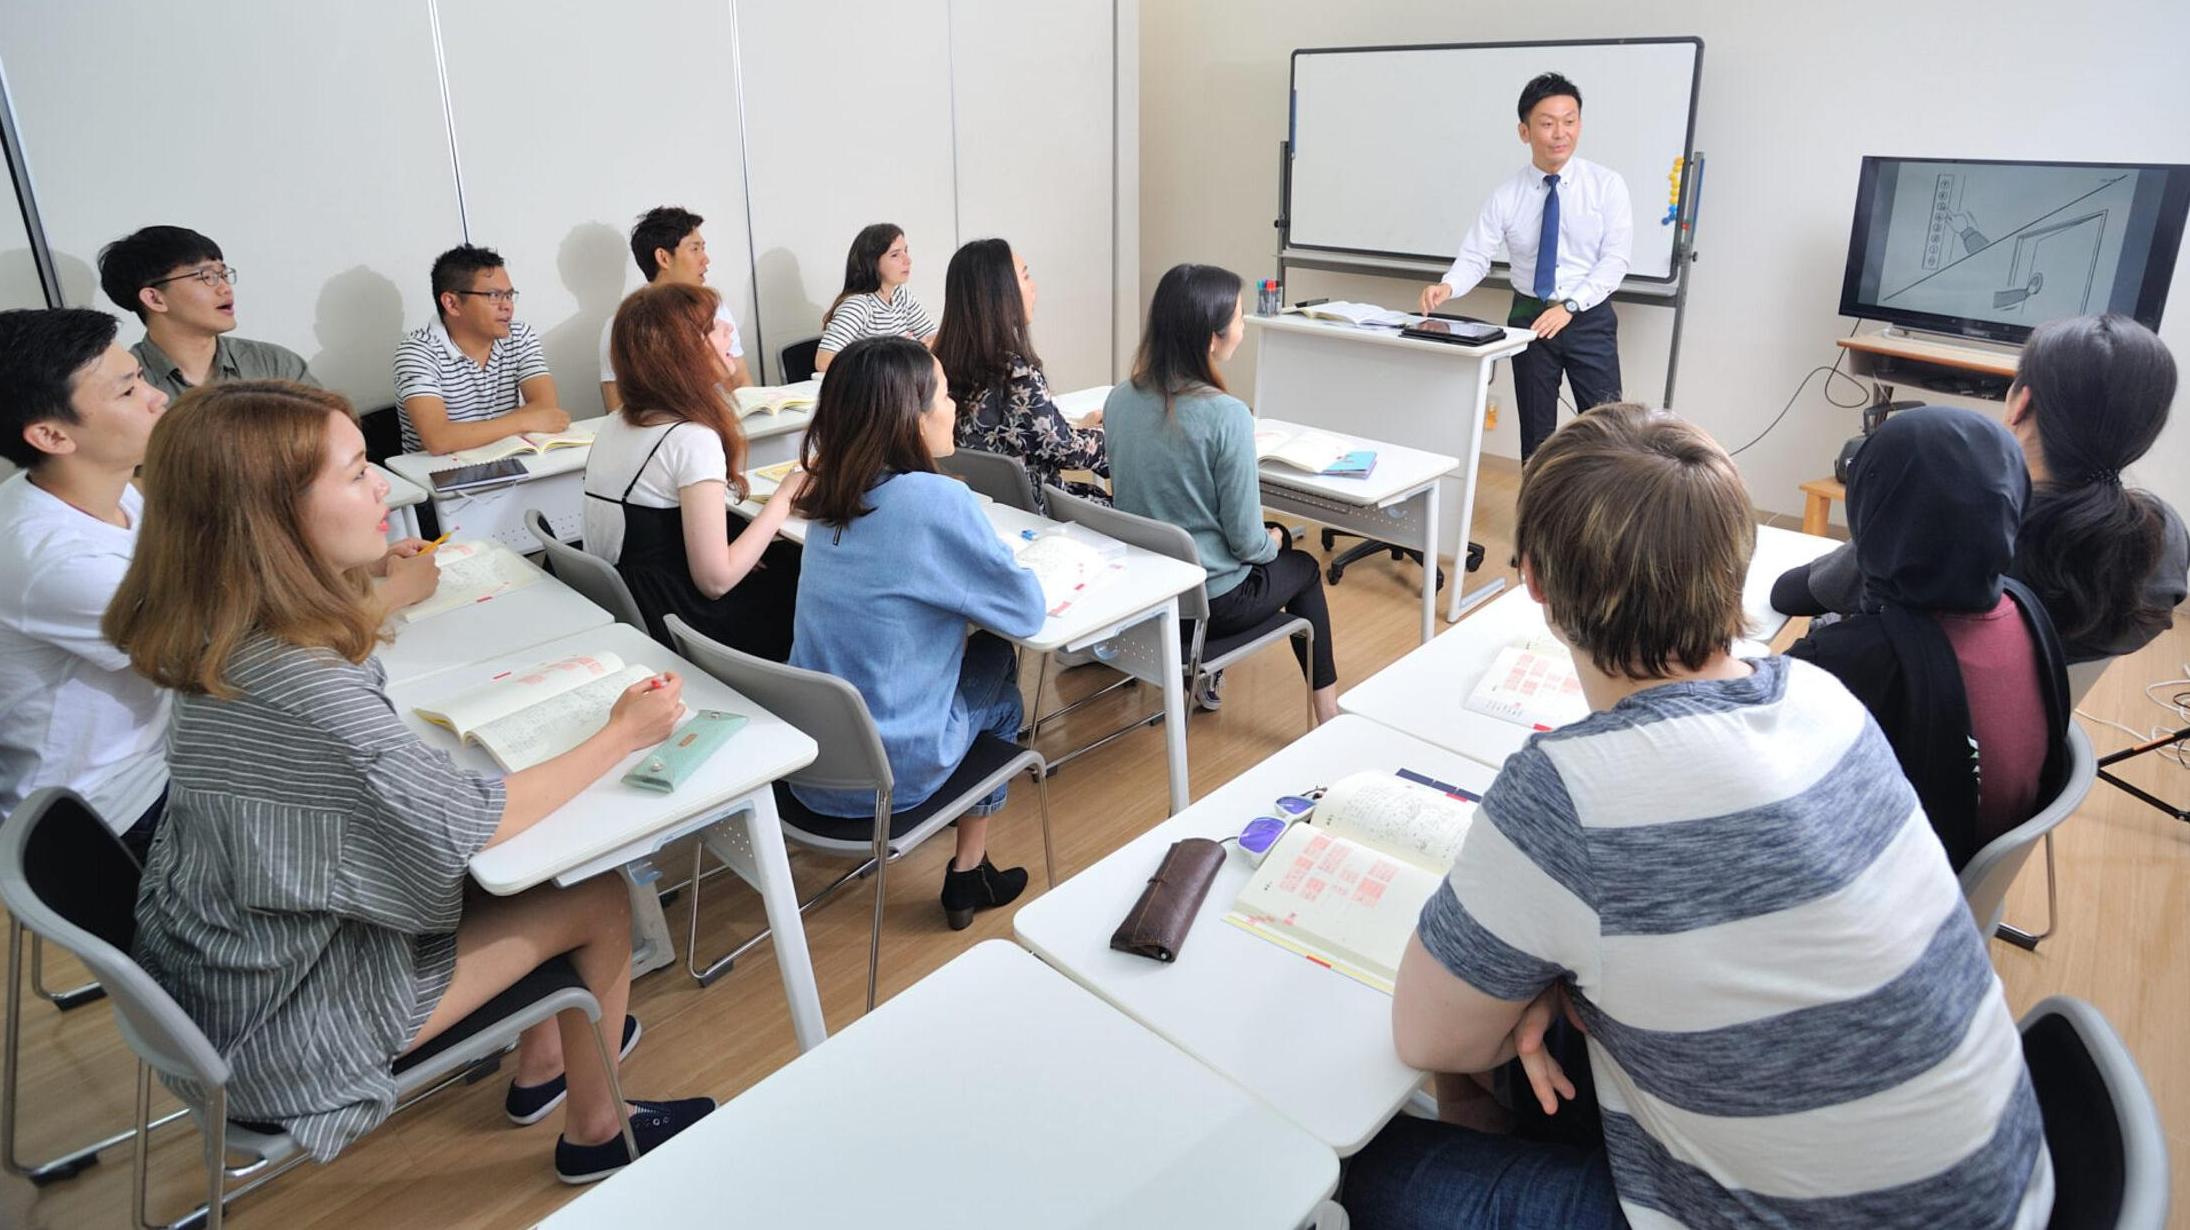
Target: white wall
1792,97
312,142
19,287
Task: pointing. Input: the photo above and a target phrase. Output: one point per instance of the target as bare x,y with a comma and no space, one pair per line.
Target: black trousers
1586,352
1293,583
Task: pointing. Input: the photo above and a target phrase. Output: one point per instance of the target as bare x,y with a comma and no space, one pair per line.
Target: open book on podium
1344,887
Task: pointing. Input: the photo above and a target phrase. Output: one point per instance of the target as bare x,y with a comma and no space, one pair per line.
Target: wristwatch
1572,308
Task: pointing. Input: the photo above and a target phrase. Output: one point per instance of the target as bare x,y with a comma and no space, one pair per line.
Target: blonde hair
1638,530
222,553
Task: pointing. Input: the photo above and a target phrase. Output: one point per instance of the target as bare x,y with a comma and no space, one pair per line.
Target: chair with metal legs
66,877
833,714
1205,655
1989,873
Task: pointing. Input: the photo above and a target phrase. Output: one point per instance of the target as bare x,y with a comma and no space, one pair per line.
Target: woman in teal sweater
1182,450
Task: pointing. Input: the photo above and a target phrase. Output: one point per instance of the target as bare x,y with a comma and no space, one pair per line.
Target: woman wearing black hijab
1958,662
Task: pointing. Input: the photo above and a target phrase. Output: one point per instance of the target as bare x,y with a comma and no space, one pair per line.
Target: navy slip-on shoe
527,1104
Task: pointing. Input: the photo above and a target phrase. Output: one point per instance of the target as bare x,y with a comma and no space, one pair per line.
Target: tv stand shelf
1940,366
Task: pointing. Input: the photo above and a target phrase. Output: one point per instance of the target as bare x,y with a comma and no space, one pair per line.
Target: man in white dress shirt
1568,231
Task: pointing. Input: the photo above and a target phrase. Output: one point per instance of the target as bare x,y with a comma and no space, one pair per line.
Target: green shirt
234,358
1195,468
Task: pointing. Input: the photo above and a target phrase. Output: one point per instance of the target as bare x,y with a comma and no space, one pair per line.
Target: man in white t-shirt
668,247
75,412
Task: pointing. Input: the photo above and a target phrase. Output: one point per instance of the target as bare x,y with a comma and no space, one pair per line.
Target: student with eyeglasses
184,291
474,374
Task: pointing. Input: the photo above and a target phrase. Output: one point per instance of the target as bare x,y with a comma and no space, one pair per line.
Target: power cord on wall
1831,370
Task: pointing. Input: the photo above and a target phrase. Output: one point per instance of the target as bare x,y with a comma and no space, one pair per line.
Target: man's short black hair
136,261
1547,85
458,267
41,350
663,227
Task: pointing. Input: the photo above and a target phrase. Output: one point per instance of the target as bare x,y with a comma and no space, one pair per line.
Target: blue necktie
1547,244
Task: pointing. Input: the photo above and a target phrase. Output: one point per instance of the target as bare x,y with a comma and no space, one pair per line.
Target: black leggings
1293,583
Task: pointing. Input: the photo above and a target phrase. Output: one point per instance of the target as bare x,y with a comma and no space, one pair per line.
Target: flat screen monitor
1995,249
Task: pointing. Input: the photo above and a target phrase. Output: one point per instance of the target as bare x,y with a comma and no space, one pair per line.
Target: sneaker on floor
1209,691
531,1103
651,1124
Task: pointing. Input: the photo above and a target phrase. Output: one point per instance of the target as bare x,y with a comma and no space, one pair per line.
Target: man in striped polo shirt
473,375
1791,1018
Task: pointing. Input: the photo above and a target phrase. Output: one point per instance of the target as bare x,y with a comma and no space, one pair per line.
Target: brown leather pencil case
1157,924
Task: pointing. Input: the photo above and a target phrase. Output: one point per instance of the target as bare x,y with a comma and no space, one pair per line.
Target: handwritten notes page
472,572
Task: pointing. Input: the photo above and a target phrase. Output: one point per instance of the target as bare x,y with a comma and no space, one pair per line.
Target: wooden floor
454,1161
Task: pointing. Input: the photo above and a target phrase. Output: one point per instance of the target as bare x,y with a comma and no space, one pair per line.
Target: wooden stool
1817,506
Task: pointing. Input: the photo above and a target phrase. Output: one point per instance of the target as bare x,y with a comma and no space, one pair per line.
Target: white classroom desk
992,1093
554,483
611,824
1422,694
1396,503
1427,395
773,438
1139,609
404,497
1313,1043
546,610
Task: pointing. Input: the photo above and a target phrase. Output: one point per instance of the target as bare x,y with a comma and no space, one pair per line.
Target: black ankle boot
982,888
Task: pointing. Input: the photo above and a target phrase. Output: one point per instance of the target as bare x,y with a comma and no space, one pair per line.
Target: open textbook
1345,886
1531,683
766,399
1351,313
1070,567
537,714
762,483
1312,451
471,572
527,444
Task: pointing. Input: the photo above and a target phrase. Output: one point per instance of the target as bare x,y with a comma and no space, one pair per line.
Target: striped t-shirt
1792,1018
870,315
428,364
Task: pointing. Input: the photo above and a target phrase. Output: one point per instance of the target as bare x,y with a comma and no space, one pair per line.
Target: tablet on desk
1454,332
463,477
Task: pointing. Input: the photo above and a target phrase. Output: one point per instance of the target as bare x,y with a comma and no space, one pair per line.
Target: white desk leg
1429,561
786,928
1174,704
1471,463
402,523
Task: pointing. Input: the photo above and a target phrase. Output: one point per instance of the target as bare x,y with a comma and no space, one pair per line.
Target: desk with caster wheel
1337,378
1397,503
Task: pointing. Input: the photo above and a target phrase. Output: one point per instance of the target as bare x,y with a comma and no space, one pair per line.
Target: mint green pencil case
666,767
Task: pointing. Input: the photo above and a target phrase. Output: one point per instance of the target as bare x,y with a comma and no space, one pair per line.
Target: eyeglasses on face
207,277
498,296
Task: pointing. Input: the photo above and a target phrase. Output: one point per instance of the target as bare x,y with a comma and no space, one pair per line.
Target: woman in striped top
305,899
874,301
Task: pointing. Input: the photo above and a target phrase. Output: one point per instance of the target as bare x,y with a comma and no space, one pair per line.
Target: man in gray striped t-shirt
1791,1017
473,374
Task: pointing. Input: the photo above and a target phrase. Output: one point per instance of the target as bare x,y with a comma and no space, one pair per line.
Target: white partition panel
306,139
571,119
847,122
1036,130
19,287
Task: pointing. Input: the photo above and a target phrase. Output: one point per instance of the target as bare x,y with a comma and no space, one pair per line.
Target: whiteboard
1395,149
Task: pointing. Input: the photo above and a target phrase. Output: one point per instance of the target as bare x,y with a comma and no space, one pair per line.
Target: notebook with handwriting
536,714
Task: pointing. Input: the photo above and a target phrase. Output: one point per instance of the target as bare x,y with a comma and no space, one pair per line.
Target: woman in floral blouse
996,378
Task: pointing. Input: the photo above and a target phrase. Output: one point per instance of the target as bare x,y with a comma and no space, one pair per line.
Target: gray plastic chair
998,476
1989,873
2109,1149
1204,654
833,714
590,575
66,877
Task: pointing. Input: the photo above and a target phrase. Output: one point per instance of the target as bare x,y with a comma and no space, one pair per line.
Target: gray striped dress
301,897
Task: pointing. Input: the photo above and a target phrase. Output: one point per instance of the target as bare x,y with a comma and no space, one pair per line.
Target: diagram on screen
2005,243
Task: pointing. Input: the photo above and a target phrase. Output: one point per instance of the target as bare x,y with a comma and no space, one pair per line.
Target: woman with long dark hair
996,378
661,473
1182,450
874,301
2110,561
899,560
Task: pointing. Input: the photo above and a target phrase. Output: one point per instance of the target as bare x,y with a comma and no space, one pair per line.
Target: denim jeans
1419,1173
988,681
